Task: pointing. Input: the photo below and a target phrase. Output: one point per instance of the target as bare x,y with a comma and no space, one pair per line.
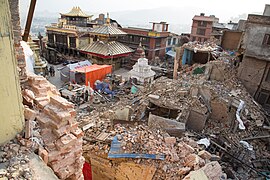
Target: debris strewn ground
210,102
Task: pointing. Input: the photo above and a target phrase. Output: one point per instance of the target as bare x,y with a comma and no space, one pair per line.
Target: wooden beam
29,20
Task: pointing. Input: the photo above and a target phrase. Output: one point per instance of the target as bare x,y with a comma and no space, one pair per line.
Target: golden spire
108,19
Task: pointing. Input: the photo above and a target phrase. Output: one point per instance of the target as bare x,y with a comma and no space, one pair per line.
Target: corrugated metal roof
107,29
77,12
111,48
225,26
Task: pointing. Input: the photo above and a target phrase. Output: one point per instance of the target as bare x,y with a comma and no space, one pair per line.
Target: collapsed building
158,134
254,68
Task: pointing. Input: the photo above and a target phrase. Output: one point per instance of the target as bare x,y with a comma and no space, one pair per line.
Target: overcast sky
227,6
224,10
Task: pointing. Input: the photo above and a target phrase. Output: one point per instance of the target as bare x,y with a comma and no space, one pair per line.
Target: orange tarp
94,72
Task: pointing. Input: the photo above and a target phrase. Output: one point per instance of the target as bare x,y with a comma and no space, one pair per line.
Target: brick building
202,27
254,70
153,40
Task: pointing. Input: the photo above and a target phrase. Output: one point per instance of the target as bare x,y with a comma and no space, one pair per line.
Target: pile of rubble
60,139
206,102
14,159
182,155
197,46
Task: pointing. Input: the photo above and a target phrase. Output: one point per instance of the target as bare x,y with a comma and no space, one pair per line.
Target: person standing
50,71
53,71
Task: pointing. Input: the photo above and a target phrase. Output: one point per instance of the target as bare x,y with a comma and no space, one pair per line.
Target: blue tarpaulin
171,53
117,152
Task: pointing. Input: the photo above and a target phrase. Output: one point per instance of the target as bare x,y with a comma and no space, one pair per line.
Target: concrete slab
40,170
196,120
172,127
123,114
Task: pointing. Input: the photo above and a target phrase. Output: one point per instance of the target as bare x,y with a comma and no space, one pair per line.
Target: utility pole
29,20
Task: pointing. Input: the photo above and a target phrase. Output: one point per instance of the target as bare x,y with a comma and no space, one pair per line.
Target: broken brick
184,171
29,114
66,141
77,132
205,154
170,140
191,160
44,155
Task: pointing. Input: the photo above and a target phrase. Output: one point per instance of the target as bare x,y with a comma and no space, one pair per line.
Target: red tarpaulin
87,171
95,72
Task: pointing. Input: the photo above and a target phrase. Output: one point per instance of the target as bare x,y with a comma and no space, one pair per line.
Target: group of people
50,71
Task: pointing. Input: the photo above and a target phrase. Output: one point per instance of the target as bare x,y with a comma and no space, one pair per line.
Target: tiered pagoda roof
105,50
107,30
76,12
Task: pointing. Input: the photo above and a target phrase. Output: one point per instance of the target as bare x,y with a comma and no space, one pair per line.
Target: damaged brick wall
63,149
16,26
62,138
251,72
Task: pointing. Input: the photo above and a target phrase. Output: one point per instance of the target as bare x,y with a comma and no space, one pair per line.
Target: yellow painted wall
83,41
11,112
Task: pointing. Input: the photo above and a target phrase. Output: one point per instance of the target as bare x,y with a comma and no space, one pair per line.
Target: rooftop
76,12
108,49
230,26
204,18
137,28
107,29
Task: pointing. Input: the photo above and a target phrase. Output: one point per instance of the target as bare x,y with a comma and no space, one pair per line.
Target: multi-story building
172,40
153,40
254,70
70,33
202,27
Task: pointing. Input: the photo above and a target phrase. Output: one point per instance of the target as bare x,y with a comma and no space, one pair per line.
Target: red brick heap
62,138
42,89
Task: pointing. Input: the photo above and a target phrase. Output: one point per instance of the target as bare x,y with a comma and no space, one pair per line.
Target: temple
105,49
66,36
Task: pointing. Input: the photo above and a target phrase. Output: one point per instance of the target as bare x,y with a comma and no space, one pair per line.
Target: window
202,23
169,41
201,32
72,42
131,38
157,53
174,41
158,43
264,98
51,38
266,39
